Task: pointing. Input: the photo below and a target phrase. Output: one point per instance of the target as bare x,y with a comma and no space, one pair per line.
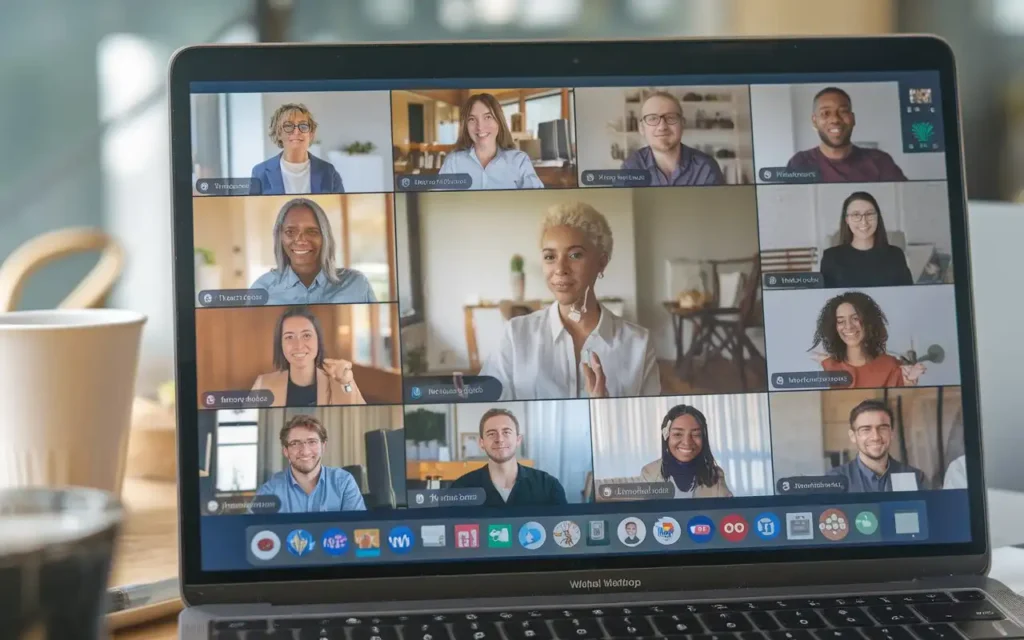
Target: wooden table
148,548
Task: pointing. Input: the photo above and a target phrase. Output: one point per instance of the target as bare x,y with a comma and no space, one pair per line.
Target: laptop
712,374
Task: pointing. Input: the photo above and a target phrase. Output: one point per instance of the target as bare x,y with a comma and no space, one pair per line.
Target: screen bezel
561,59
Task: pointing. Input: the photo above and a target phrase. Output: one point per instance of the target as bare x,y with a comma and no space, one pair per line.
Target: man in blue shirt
873,468
307,486
666,158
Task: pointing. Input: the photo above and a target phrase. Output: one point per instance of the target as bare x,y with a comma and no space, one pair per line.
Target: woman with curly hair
686,459
852,331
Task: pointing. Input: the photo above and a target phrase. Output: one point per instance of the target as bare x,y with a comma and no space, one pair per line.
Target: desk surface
148,549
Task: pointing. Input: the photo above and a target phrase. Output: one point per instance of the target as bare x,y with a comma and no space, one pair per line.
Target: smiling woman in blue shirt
307,486
306,273
486,151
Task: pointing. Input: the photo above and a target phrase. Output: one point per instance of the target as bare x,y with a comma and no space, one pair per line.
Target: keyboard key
714,636
781,605
847,617
795,634
527,630
968,596
502,616
753,635
677,624
849,601
799,619
940,631
725,622
574,628
310,633
838,634
931,596
472,630
374,632
893,614
763,621
428,631
751,605
990,630
887,633
566,614
627,626
959,611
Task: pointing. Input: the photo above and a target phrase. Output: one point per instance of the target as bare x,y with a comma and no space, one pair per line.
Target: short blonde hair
279,115
582,216
666,95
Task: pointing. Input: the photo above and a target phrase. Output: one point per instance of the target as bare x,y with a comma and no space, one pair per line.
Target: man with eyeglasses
670,162
874,470
295,170
506,482
307,486
836,158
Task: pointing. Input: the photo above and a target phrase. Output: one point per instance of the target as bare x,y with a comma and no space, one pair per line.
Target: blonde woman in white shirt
575,348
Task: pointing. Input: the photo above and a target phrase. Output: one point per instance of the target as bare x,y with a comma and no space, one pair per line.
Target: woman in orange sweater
852,331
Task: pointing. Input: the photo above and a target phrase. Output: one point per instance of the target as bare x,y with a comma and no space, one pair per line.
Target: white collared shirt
508,169
535,360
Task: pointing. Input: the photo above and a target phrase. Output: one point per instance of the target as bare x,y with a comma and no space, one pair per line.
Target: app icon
700,528
401,540
566,534
907,523
922,131
432,535
300,542
766,525
734,527
597,533
532,535
334,542
499,536
416,393
367,542
265,545
666,530
833,525
798,526
467,536
866,523
632,531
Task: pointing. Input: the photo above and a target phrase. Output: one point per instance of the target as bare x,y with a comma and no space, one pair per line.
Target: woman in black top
864,257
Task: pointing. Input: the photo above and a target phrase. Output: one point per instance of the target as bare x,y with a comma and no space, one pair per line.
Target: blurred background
86,85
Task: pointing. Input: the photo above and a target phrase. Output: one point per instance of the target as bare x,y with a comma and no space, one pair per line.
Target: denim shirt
286,288
336,490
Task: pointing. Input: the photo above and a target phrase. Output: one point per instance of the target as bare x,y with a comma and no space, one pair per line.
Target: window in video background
677,254
445,450
350,466
237,353
881,337
237,247
920,447
785,136
711,446
348,151
445,131
709,128
896,233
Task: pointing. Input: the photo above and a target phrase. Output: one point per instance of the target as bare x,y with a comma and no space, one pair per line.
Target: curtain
627,435
556,436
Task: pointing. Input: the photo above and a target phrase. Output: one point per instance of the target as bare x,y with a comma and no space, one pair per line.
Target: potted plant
426,432
208,276
359,148
518,278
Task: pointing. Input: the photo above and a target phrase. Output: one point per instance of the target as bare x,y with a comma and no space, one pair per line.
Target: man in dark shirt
666,158
836,158
873,468
503,479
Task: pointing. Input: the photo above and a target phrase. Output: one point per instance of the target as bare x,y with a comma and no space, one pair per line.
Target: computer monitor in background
554,139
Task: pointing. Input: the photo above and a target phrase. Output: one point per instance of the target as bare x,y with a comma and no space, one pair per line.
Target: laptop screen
472,320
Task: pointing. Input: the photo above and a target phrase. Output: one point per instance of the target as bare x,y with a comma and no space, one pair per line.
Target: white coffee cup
67,384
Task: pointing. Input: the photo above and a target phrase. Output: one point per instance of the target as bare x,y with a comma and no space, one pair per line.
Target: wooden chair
726,327
795,260
91,291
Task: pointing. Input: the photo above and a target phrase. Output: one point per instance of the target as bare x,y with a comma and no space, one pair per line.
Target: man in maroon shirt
836,158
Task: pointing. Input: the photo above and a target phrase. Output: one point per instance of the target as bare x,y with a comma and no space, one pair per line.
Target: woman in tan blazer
686,458
303,376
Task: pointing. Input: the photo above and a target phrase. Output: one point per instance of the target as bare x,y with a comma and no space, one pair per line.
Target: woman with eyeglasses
670,162
864,257
295,170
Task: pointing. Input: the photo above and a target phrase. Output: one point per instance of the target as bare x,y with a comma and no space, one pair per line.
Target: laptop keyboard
956,615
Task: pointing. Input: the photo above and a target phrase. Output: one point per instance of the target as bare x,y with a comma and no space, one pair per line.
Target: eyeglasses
858,217
654,119
312,443
882,429
290,127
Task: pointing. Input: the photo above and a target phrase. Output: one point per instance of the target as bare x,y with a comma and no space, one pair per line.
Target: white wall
876,106
467,240
697,224
342,118
918,317
792,216
798,441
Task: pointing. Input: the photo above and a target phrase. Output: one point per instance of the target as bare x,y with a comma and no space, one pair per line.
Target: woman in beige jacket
303,376
686,459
